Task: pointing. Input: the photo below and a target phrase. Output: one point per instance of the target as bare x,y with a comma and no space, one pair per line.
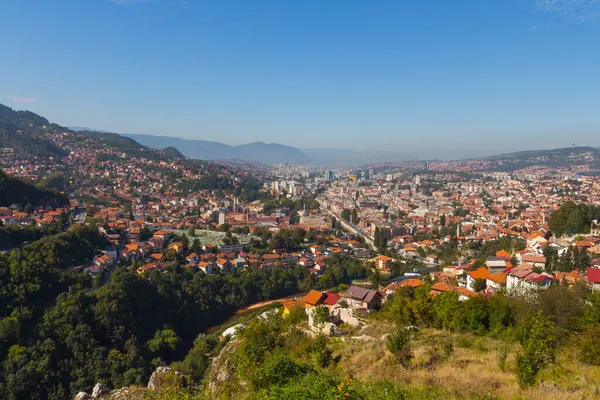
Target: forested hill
30,134
553,158
16,191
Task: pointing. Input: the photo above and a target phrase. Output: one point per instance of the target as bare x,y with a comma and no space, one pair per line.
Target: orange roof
465,291
503,254
480,273
412,282
314,297
441,287
499,278
384,258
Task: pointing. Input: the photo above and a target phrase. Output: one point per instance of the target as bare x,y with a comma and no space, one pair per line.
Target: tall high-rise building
367,174
331,175
427,166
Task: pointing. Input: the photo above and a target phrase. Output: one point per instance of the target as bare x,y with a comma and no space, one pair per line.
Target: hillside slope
15,191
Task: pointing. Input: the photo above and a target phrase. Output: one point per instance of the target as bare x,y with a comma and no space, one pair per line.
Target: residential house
331,299
481,274
496,264
205,267
383,263
526,278
360,298
569,278
147,268
178,247
464,294
240,263
223,264
593,277
192,258
495,282
313,299
439,288
535,261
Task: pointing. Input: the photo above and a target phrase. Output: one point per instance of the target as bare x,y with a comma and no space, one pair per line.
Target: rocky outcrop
222,368
164,377
161,378
99,390
322,328
157,377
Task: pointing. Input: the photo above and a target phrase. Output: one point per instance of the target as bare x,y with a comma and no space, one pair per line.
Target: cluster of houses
37,217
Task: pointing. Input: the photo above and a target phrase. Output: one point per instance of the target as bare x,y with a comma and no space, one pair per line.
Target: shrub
278,370
398,343
502,355
538,337
587,346
322,352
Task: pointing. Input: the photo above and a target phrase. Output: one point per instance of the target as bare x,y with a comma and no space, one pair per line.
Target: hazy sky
469,75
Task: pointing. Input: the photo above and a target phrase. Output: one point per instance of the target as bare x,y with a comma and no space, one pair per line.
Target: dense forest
16,191
13,235
573,218
57,336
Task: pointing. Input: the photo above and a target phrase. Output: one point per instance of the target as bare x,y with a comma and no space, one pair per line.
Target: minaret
458,229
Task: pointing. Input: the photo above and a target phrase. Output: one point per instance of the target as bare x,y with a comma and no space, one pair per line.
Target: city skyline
421,78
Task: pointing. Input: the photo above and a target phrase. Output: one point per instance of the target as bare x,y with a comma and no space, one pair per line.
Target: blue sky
418,76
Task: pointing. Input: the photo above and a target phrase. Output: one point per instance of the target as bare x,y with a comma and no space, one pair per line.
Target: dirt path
261,304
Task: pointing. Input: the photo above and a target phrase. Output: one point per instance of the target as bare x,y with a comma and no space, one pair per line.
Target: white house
526,278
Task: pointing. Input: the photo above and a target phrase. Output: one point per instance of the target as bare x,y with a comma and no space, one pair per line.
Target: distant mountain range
268,153
18,131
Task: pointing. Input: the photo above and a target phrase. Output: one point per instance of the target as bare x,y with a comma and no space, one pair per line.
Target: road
349,227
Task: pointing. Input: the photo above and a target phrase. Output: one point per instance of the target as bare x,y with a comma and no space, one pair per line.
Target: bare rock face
157,377
222,369
164,377
99,390
82,396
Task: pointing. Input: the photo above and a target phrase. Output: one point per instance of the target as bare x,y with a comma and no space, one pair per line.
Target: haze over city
433,79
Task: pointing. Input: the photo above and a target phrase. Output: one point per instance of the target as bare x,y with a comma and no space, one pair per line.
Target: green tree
164,342
398,343
538,338
322,352
354,216
346,214
479,285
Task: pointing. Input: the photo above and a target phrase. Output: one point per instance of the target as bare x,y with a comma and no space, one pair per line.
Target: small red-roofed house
593,277
331,299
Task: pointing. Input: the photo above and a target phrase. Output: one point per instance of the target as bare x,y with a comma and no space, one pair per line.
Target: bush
322,352
398,343
502,355
278,370
538,337
587,346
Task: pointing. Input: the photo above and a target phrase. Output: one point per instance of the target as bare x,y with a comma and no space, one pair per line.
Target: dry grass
470,372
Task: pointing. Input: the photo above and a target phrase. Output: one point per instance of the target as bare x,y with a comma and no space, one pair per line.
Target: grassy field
461,366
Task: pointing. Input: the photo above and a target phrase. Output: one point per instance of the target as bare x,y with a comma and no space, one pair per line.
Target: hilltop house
526,278
360,298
